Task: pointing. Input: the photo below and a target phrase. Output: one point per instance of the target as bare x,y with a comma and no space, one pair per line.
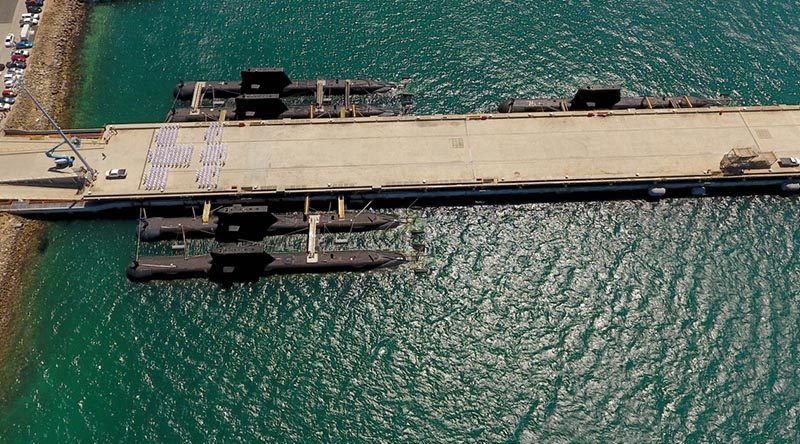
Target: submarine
275,81
603,98
270,106
253,223
250,262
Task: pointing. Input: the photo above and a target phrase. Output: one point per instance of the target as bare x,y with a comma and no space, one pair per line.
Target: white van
26,33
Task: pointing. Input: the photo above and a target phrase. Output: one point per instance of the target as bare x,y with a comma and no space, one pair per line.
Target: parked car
26,33
18,58
19,65
23,52
34,3
9,42
34,9
25,44
9,93
789,162
10,83
116,173
29,21
5,106
9,100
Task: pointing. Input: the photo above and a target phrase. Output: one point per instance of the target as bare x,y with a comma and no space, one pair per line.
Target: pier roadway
416,153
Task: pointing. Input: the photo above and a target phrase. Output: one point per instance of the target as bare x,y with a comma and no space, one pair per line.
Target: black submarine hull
550,105
273,80
180,115
603,98
229,89
152,268
156,229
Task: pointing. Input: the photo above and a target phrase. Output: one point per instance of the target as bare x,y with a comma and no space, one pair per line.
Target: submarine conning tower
594,97
253,81
264,81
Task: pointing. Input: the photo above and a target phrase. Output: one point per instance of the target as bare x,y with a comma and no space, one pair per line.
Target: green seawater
624,321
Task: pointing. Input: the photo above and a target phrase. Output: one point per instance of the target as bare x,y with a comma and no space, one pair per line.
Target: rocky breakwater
49,76
19,240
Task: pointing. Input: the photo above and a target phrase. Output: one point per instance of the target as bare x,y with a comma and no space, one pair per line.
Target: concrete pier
408,155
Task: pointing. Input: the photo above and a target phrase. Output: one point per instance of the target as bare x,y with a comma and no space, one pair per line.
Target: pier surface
413,153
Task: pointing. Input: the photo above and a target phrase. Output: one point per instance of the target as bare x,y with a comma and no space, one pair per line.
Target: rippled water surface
593,322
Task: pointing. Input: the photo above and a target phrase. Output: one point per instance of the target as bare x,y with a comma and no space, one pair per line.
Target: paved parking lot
10,12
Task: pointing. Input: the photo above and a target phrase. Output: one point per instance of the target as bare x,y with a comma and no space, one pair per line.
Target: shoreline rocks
19,240
50,76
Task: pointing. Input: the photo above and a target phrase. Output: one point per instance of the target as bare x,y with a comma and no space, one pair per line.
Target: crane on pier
61,160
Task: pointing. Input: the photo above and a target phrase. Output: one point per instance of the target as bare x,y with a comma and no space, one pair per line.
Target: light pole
89,168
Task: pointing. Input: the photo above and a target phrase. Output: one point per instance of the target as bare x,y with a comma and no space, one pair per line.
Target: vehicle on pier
116,173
